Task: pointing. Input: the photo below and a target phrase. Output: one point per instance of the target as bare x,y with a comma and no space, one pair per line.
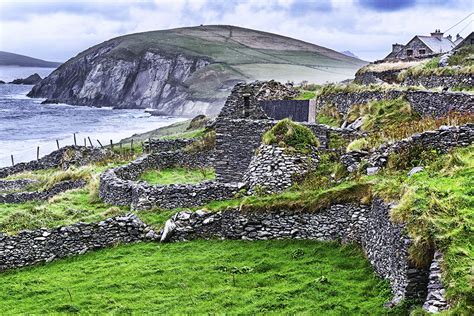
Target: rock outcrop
33,79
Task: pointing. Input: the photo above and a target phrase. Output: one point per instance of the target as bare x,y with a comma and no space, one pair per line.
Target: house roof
467,39
436,44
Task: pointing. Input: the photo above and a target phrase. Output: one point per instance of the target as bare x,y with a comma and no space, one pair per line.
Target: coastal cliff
186,71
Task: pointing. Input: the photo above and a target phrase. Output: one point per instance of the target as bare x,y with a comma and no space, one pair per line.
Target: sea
25,123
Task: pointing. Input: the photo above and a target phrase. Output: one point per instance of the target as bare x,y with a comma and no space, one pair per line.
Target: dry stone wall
44,245
274,169
426,103
120,186
61,158
384,242
163,145
14,185
436,300
442,139
21,197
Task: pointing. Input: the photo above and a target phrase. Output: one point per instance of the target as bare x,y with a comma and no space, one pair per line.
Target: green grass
187,134
287,133
177,175
283,277
305,95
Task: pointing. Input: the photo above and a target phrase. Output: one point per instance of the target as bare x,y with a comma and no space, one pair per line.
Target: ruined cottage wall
237,140
384,242
44,245
426,103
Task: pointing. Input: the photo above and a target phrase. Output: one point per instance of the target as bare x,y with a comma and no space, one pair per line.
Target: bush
287,133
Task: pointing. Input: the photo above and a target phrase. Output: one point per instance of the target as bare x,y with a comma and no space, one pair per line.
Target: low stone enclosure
61,158
119,186
21,197
383,241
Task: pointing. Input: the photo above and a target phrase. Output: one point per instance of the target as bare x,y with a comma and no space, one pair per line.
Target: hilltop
188,71
11,59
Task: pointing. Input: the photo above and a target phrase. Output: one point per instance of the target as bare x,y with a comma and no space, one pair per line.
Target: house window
422,51
409,52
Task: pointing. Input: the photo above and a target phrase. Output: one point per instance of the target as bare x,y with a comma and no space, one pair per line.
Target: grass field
177,176
201,277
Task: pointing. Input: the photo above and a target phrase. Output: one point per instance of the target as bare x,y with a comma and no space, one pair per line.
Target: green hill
11,59
188,71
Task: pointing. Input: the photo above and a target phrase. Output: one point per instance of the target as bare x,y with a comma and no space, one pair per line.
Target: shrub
287,133
411,157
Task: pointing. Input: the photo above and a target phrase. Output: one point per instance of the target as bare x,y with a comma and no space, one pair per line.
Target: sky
58,30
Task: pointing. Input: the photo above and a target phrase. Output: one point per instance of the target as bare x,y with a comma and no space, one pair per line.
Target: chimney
458,36
437,34
396,47
449,37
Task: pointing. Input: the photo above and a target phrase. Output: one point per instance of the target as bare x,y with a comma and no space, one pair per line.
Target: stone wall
436,300
61,158
384,242
14,185
45,245
236,106
442,139
274,169
119,186
163,145
426,103
433,81
21,197
237,140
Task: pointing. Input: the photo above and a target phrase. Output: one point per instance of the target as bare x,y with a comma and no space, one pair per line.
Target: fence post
37,153
131,146
112,144
75,143
100,143
85,142
90,142
13,161
57,143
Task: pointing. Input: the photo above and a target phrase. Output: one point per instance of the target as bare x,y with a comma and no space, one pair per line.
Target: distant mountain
11,59
187,71
350,54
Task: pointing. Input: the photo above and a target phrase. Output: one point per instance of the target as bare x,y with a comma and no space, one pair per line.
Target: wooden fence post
37,153
57,143
90,142
13,161
100,143
75,143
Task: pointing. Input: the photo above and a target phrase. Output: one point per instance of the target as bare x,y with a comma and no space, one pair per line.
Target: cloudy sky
58,30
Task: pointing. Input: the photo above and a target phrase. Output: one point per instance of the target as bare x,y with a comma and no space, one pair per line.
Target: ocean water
25,123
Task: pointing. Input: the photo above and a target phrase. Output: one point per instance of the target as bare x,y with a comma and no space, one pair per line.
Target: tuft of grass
205,143
329,115
287,133
463,57
382,114
212,276
177,175
431,68
305,95
358,144
197,133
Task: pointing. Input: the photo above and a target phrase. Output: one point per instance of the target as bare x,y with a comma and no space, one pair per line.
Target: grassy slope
201,277
238,54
